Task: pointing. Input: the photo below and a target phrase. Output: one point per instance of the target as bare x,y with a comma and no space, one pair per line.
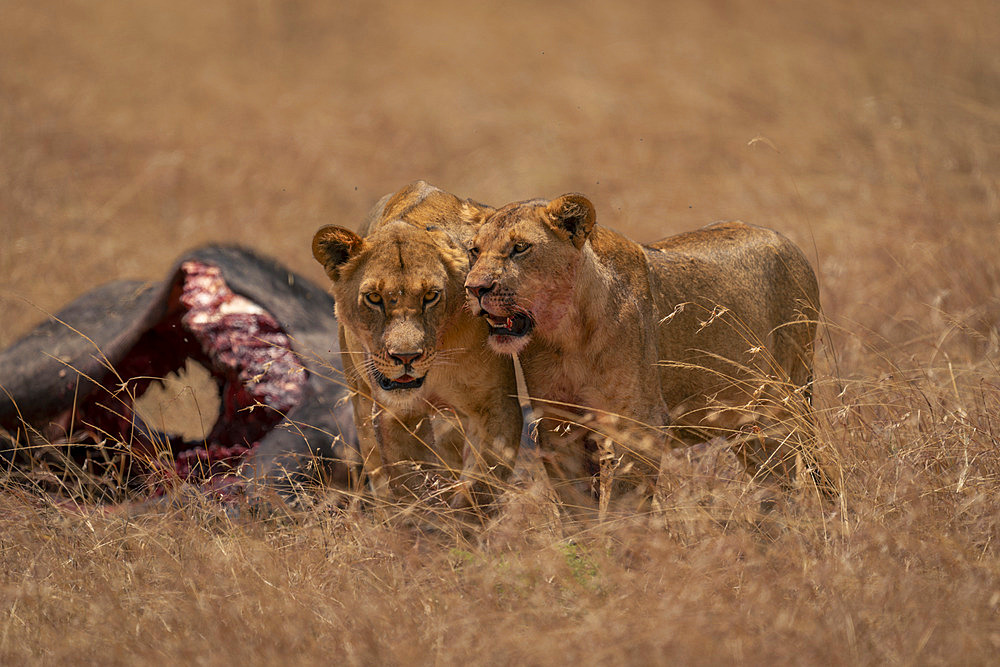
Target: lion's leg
762,436
362,404
450,440
794,351
630,464
779,445
766,454
600,457
782,450
371,461
488,460
609,463
406,446
486,397
765,431
568,456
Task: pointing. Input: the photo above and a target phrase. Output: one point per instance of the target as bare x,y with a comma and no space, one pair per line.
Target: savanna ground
868,132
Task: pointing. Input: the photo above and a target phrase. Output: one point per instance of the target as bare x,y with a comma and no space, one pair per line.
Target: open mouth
514,325
402,382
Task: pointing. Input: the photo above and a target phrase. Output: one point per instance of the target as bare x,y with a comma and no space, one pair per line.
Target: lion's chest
566,380
600,379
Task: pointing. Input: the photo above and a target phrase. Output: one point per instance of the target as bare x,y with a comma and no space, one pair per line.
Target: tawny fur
709,332
412,260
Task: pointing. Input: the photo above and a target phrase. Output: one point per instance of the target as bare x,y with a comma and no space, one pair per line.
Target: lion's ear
475,212
574,215
332,246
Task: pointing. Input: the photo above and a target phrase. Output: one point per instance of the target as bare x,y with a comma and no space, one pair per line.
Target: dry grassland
868,132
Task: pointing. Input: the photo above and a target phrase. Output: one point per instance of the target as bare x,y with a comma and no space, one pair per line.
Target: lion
705,334
411,350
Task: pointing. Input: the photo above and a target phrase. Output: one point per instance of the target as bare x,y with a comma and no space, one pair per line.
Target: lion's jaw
397,384
540,305
510,325
509,334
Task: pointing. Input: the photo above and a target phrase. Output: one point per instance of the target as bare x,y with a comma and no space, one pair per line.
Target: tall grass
901,566
130,134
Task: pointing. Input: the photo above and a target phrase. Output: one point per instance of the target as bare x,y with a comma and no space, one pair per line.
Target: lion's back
731,288
739,260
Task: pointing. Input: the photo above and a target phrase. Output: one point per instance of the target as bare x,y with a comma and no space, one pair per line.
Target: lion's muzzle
496,305
477,290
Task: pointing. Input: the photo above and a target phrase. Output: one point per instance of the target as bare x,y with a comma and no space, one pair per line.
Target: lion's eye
473,253
520,248
374,299
431,297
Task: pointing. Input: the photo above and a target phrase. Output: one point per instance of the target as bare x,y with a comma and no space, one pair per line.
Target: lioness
411,348
709,331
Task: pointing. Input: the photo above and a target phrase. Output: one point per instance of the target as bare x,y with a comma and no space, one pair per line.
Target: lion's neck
590,330
589,307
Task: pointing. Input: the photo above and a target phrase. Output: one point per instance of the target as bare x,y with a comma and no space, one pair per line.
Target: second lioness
411,349
710,331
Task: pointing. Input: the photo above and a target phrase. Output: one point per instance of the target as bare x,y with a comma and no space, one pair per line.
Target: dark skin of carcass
266,335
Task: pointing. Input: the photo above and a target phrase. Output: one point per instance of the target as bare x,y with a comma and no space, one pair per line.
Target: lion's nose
477,291
406,358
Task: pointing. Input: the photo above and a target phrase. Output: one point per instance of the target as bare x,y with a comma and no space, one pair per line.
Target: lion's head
524,265
397,289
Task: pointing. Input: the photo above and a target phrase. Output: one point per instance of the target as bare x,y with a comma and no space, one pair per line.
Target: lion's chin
506,344
404,399
403,391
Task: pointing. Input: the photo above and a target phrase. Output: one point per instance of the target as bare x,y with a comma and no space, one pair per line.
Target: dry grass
867,132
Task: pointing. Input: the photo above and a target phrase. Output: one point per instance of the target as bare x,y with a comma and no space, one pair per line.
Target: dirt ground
867,132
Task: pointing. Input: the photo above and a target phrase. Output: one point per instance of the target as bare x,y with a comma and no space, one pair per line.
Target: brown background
867,132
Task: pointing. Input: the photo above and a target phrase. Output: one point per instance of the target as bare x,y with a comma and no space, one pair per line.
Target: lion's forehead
512,216
498,235
400,268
